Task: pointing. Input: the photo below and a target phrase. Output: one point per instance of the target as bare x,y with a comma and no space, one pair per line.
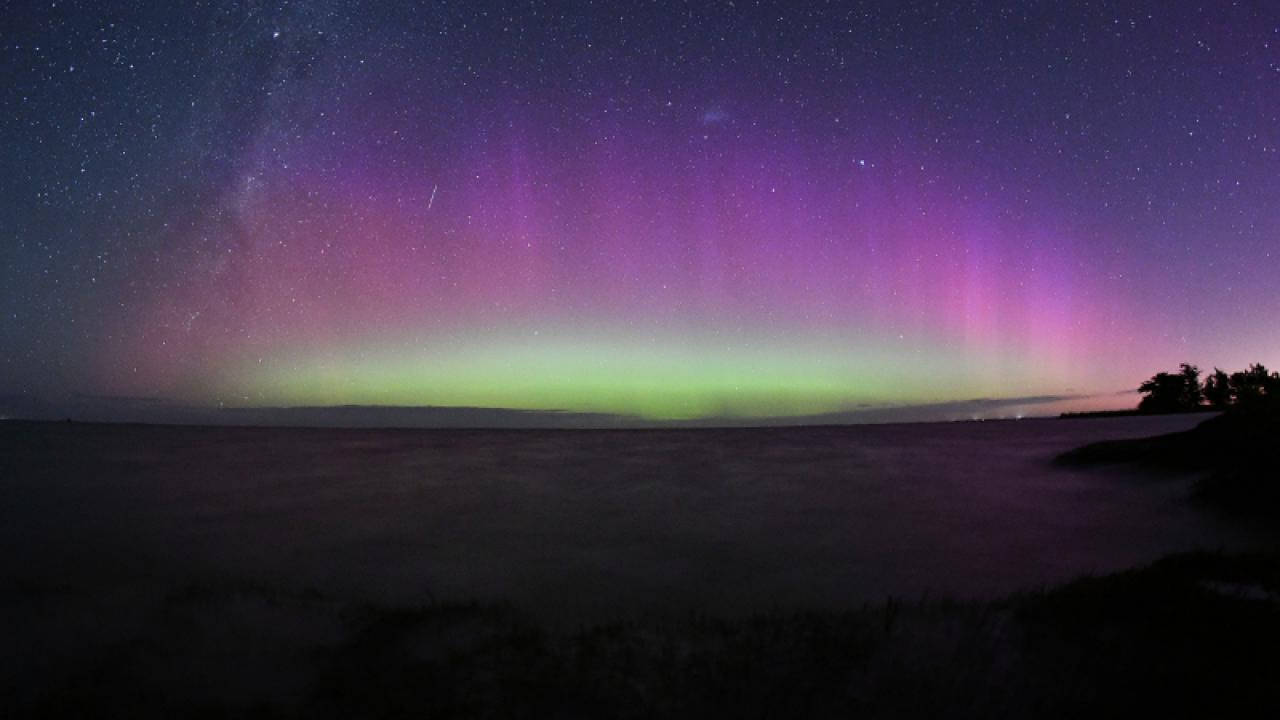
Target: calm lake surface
591,525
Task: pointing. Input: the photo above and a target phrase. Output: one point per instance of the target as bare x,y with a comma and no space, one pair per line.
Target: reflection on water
577,524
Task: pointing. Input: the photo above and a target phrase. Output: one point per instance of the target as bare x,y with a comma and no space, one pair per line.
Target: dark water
582,525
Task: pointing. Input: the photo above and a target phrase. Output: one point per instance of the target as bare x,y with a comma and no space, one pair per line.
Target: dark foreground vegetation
1237,453
1190,636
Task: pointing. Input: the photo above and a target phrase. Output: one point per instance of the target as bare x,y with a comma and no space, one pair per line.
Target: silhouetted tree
1256,387
1172,392
1192,393
1217,389
1160,393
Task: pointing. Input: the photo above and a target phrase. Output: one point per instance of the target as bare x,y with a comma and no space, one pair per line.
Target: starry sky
657,210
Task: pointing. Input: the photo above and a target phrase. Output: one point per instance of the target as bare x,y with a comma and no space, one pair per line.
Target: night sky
656,209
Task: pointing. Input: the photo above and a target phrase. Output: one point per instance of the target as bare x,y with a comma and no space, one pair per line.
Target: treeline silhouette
1255,388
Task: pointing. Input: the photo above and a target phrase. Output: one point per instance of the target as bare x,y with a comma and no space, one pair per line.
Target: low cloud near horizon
88,408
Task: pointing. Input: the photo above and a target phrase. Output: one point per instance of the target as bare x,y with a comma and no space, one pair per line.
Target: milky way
665,210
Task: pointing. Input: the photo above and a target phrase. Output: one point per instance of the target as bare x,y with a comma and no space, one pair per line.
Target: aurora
591,212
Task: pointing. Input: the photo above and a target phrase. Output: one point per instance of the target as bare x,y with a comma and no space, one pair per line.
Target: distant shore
1134,412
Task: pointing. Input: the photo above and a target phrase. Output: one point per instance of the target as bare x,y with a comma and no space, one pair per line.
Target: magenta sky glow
721,217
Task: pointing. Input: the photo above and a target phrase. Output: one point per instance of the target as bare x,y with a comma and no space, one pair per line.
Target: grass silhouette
1191,635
